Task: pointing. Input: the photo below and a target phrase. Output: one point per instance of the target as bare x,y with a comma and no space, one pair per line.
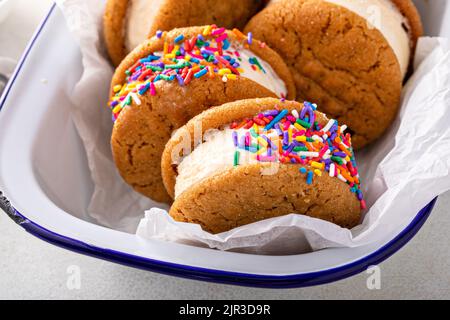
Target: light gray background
33,269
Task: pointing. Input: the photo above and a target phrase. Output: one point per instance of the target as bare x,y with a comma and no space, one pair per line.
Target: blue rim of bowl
204,274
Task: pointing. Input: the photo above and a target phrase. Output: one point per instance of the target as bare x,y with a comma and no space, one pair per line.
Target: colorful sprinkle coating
208,54
296,137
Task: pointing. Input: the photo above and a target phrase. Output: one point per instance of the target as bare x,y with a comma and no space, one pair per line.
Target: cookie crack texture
349,70
242,195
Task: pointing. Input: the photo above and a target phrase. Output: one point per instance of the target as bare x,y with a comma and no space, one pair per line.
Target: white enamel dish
44,175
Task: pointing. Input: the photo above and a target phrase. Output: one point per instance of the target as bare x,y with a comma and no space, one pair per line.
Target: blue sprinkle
201,73
302,170
226,44
277,119
309,178
150,58
179,38
144,89
159,34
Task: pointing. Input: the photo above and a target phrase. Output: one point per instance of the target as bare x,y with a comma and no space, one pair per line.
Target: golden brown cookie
129,22
154,93
351,66
258,159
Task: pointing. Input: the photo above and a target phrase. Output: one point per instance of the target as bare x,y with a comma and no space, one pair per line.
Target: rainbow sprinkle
297,138
208,54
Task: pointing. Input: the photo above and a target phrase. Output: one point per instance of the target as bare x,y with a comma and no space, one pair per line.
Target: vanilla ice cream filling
214,156
387,18
267,77
139,20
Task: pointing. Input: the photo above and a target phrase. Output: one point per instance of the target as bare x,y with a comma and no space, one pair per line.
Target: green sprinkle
304,124
253,133
154,68
337,159
177,66
236,158
298,149
164,77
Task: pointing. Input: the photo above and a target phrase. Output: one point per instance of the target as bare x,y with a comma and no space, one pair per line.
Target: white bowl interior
44,171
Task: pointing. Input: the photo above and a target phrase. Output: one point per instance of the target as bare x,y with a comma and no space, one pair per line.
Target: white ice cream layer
268,79
140,17
386,17
213,156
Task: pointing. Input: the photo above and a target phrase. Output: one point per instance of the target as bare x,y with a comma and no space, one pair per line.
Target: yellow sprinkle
299,127
117,88
261,151
300,138
117,109
290,134
317,165
166,47
224,71
262,142
256,128
169,56
187,58
232,76
318,172
207,31
175,49
240,70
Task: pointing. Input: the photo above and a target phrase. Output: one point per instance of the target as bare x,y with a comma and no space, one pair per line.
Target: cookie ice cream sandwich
127,23
255,159
174,76
349,56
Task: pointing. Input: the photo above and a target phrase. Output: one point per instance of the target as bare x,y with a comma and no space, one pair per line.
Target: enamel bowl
40,152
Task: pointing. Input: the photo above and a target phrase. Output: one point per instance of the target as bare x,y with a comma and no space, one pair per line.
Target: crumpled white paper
401,173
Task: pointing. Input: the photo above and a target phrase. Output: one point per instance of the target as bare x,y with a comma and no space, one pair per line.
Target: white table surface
33,269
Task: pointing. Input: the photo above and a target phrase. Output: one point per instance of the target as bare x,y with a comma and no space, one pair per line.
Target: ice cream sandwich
174,76
255,159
